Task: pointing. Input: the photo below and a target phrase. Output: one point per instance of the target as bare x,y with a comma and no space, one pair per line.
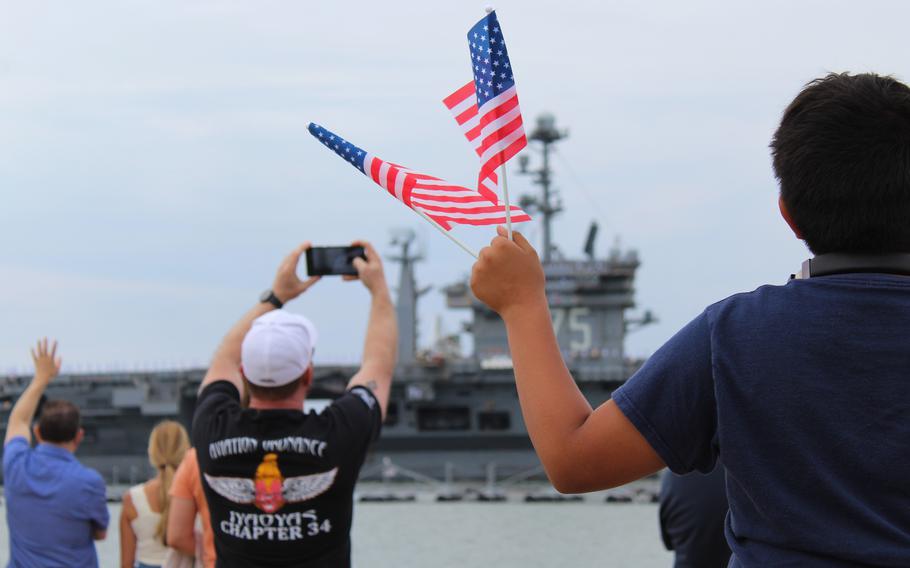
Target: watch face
264,297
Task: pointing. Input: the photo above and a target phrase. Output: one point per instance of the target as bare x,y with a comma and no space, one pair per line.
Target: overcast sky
155,164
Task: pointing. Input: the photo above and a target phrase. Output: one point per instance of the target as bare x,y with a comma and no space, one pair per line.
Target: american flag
487,107
445,203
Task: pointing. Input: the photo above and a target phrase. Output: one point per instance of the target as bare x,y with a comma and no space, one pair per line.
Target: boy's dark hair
273,393
842,155
59,421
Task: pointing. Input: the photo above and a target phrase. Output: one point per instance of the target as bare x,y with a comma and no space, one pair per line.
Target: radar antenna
589,241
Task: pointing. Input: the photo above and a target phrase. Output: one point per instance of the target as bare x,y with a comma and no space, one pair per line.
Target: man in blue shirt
803,390
55,506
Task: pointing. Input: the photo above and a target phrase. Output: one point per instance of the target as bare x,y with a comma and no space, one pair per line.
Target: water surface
468,534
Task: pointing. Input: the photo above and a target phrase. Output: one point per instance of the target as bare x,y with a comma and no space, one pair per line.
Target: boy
804,389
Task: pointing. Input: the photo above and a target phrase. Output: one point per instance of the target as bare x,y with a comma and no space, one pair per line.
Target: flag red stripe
489,114
488,193
443,222
478,222
442,187
474,133
390,177
375,164
471,211
498,135
502,157
466,115
420,176
460,95
407,192
417,196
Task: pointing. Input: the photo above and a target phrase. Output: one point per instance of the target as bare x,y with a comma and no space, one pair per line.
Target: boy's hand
508,275
287,284
369,271
47,364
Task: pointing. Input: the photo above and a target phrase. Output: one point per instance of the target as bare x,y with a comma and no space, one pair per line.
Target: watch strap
271,298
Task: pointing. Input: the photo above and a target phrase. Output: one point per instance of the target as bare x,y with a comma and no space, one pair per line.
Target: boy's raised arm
580,448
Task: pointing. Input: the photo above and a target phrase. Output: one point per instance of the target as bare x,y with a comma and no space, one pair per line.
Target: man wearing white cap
279,483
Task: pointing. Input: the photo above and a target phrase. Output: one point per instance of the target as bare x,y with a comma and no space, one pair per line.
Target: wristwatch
270,297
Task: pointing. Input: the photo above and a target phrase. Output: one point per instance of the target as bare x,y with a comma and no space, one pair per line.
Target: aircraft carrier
450,414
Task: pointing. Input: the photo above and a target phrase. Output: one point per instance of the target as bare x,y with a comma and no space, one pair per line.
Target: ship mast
547,134
407,296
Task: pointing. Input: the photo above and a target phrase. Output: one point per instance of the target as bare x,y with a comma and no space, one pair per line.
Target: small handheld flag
463,106
487,108
437,200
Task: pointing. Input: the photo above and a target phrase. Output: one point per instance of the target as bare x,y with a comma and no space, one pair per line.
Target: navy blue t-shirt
804,390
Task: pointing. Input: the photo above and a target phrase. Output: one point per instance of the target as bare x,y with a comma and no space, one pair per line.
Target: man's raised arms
581,449
47,366
287,286
380,349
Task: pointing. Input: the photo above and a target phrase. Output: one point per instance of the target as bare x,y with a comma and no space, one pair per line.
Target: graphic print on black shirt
280,483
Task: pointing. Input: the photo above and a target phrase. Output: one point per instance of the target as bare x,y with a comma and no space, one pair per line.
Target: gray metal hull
117,421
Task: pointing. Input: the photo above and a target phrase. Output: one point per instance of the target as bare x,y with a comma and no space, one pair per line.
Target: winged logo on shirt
269,490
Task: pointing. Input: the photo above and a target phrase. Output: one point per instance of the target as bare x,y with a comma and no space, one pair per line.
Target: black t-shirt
280,483
692,512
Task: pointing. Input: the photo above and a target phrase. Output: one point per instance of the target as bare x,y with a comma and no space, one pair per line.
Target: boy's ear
786,215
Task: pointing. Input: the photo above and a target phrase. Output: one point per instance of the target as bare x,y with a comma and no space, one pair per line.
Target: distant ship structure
450,415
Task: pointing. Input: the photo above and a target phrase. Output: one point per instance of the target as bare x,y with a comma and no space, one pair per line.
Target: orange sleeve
184,481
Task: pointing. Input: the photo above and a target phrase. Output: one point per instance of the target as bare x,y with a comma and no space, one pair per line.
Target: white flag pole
505,180
439,227
505,197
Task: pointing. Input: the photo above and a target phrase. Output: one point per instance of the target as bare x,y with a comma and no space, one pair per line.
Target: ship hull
467,425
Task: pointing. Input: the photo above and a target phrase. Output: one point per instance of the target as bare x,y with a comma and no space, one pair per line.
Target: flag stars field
487,61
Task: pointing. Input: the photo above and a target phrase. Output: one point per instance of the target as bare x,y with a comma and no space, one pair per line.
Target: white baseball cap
278,348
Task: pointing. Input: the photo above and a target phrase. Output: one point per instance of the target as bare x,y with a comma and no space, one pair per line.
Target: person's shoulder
16,445
186,476
762,297
126,498
762,292
16,441
220,387
357,400
365,395
189,459
217,396
14,452
216,402
91,479
356,413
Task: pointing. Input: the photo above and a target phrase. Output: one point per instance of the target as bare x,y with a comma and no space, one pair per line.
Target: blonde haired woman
143,518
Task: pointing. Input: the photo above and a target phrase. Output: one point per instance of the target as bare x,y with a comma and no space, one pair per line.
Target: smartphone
326,261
